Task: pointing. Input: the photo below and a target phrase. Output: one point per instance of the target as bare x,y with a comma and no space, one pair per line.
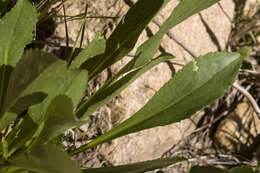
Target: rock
251,7
96,9
196,32
239,132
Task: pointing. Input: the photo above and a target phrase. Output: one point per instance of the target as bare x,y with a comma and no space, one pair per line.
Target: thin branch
249,97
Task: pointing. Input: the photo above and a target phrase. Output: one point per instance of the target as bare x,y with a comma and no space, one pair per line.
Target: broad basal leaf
46,159
16,29
41,74
57,80
139,167
27,71
59,118
15,33
198,84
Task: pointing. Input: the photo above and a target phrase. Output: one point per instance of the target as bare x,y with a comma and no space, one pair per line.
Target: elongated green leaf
147,50
139,167
46,159
16,170
96,47
106,94
209,169
242,169
198,84
124,38
16,31
59,117
184,10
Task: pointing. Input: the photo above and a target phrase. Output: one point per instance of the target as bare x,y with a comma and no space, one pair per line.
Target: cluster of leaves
40,94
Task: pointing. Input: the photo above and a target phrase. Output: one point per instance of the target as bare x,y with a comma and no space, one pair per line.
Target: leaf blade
53,158
59,118
184,10
16,31
95,48
191,90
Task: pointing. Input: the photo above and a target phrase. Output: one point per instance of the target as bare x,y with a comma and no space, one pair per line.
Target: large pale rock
150,144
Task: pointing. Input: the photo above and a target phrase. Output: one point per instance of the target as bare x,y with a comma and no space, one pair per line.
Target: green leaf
125,36
208,169
28,69
139,167
57,80
59,117
242,169
16,32
26,130
46,159
41,73
96,47
108,92
16,170
5,74
76,90
16,29
184,10
188,91
3,7
245,52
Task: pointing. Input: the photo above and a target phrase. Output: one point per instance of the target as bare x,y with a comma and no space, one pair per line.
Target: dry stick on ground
248,96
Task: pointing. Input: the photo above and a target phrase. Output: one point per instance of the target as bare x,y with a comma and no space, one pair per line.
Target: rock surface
251,7
196,32
239,131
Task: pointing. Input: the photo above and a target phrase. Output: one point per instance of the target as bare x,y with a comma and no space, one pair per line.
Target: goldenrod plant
40,95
